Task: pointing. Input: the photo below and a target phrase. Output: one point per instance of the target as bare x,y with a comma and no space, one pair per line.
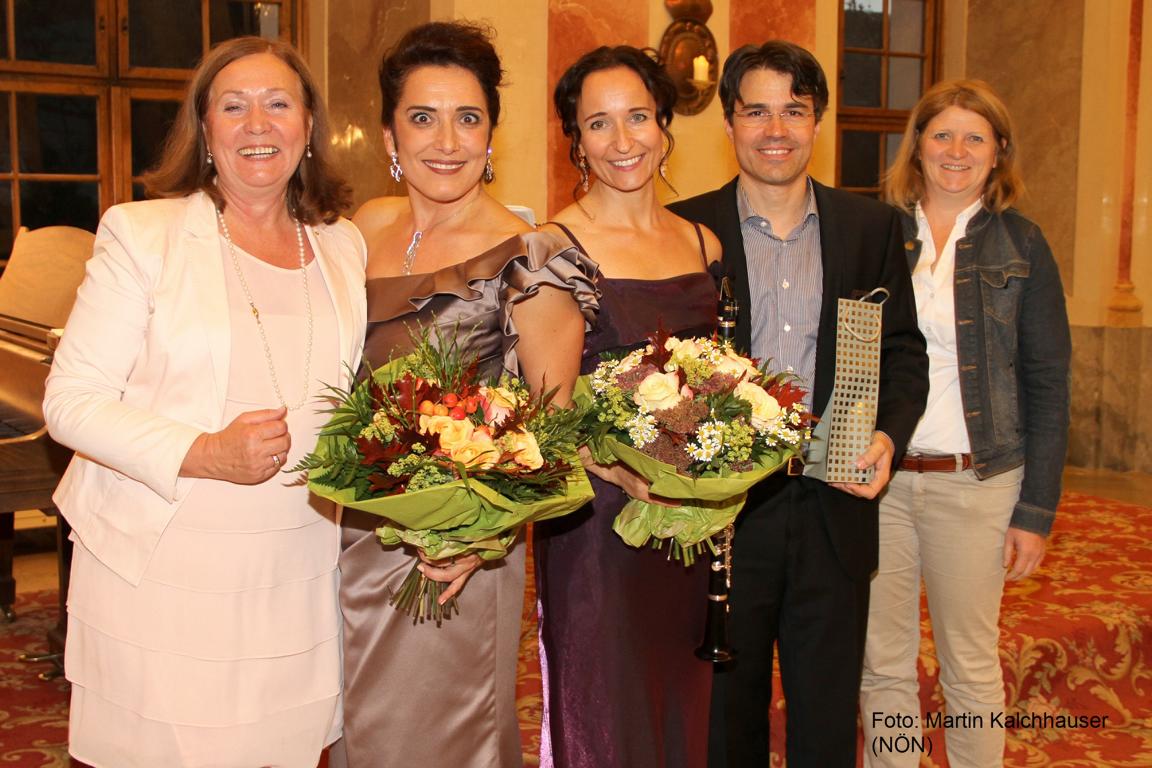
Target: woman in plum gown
449,255
619,625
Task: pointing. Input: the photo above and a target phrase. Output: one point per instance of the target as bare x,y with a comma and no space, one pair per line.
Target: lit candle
700,68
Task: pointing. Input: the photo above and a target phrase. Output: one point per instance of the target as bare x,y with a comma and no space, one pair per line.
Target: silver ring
276,460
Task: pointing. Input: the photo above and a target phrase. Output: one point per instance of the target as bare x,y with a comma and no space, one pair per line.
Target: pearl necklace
256,312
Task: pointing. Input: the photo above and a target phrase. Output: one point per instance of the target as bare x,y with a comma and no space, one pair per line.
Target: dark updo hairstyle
566,97
779,56
461,44
316,192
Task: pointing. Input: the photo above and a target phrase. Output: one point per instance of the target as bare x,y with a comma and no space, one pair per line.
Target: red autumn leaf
378,454
659,355
787,394
408,391
389,485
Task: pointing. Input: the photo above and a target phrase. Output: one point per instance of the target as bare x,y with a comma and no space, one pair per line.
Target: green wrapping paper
458,517
711,502
409,446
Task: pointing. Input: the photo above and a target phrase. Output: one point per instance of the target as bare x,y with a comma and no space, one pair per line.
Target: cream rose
733,364
456,434
658,392
683,350
475,455
432,425
764,406
524,448
479,452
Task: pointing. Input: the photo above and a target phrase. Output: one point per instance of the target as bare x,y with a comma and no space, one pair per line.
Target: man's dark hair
779,56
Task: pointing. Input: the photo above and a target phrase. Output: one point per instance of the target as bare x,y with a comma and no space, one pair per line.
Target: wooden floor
37,570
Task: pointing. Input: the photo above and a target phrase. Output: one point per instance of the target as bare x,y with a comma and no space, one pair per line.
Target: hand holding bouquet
450,464
699,422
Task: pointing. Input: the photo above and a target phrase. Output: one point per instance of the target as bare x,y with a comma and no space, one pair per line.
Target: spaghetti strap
703,250
576,242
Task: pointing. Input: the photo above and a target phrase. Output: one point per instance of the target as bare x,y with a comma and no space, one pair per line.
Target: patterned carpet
1077,640
33,713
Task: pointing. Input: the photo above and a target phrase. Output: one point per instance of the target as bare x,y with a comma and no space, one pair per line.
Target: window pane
891,147
61,31
56,134
233,18
906,26
859,159
164,34
6,234
861,80
864,23
150,123
5,128
3,37
47,203
903,83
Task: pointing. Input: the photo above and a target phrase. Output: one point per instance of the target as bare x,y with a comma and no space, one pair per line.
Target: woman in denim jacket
978,489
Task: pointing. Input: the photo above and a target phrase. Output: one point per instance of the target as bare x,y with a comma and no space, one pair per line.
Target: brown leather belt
936,462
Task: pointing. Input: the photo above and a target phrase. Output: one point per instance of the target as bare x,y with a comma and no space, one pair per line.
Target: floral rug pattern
1076,640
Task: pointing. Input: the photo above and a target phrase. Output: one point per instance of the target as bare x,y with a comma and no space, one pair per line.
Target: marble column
1125,310
755,21
359,32
575,27
1046,110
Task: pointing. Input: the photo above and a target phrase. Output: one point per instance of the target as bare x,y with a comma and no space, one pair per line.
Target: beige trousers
947,529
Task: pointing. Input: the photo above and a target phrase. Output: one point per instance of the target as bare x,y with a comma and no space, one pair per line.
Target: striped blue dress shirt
785,281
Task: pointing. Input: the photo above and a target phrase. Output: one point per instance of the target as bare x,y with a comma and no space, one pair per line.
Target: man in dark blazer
804,550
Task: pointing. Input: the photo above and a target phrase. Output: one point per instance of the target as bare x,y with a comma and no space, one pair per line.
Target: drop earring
308,151
210,159
489,171
395,169
584,175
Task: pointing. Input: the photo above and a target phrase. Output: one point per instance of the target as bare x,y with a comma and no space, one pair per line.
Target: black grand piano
37,289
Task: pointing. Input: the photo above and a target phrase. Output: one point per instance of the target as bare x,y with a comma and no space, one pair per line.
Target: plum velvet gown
422,695
618,624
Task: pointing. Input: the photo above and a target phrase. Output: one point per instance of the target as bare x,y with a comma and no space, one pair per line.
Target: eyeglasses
755,116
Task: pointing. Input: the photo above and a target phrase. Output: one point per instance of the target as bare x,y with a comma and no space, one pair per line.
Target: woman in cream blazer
143,367
203,623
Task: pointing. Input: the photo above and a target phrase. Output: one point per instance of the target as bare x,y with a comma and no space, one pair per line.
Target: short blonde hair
903,184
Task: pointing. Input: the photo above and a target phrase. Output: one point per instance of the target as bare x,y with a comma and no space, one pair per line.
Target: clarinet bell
715,646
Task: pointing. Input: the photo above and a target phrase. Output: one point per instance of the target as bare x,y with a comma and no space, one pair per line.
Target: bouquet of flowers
699,422
450,464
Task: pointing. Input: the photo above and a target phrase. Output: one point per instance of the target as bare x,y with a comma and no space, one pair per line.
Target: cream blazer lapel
344,276
204,267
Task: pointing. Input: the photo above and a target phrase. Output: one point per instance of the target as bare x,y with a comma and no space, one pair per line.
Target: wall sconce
688,51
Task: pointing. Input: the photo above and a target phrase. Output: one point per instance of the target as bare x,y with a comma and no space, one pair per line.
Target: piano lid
39,284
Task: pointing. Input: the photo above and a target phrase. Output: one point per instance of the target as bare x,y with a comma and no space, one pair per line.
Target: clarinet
715,645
